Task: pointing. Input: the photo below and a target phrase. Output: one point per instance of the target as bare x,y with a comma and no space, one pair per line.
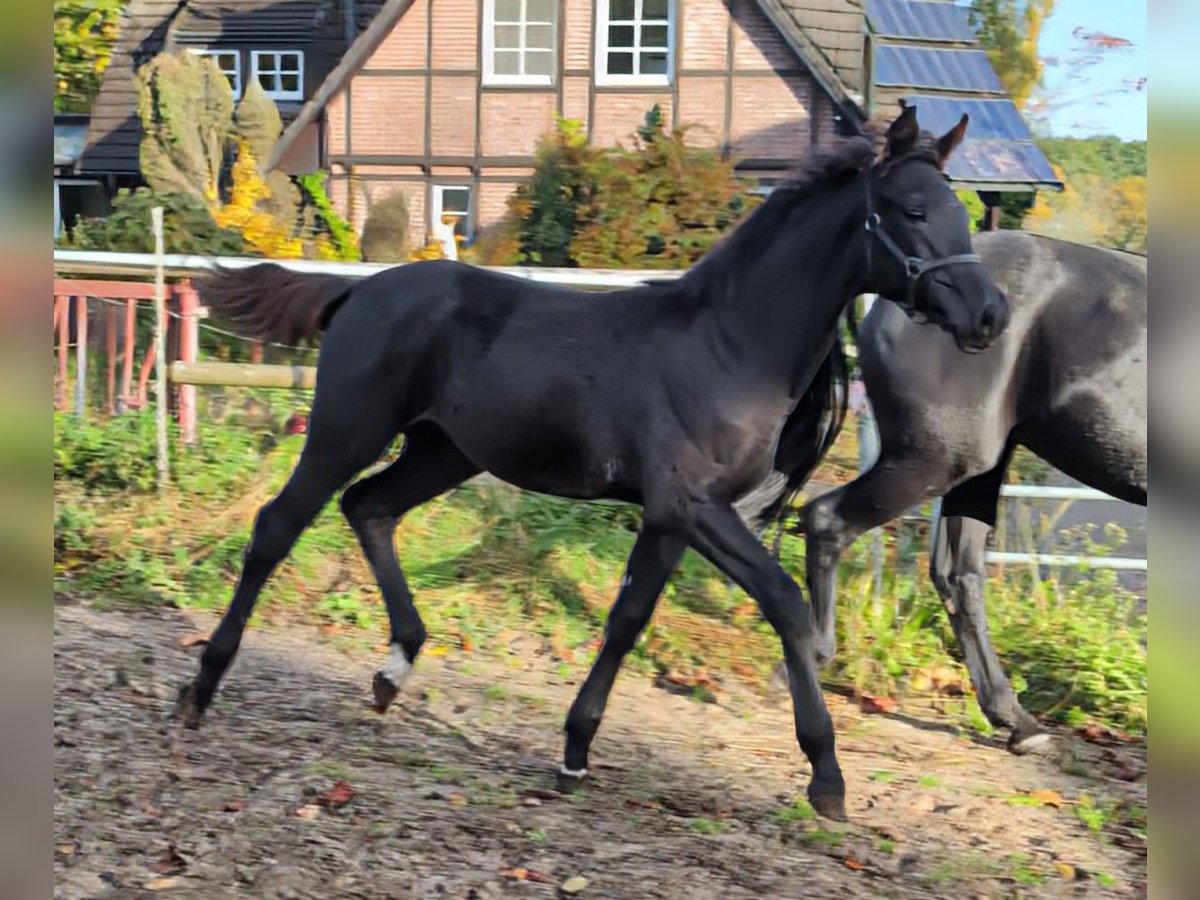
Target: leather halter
915,267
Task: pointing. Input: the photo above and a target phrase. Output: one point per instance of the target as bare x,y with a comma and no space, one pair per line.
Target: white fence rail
89,262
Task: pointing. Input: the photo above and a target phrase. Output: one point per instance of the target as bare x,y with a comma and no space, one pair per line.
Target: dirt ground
294,788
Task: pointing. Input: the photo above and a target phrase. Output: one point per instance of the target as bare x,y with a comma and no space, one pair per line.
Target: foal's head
919,243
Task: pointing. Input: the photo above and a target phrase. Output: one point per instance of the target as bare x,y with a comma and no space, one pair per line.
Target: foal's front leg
654,556
720,535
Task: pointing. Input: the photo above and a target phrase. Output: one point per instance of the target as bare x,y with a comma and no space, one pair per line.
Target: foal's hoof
1026,740
829,806
187,706
570,780
384,690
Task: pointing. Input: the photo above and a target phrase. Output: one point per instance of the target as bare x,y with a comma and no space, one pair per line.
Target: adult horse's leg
654,556
834,520
957,567
722,537
429,465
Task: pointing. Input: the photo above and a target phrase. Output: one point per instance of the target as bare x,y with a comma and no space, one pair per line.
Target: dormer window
280,73
230,64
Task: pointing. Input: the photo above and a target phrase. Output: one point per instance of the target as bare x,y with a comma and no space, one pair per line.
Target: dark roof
828,37
927,54
262,21
150,26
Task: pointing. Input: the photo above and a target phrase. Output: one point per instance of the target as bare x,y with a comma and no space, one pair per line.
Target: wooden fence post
81,338
160,345
189,349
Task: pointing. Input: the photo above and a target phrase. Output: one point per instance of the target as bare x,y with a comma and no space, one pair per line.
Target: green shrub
660,203
385,233
188,226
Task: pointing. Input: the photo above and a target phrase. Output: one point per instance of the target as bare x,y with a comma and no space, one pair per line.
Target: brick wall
758,101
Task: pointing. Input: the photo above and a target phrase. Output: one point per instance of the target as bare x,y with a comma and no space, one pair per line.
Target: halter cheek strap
915,267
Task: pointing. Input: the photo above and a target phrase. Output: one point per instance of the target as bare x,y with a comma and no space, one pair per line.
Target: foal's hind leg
834,520
654,556
957,567
429,465
280,522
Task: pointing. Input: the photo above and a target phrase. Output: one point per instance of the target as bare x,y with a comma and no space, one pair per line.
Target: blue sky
1089,89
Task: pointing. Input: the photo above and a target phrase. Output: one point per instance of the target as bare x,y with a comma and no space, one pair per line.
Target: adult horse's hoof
829,806
385,692
187,706
1026,740
824,650
570,780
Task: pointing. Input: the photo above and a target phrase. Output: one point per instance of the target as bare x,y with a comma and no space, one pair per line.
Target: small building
445,100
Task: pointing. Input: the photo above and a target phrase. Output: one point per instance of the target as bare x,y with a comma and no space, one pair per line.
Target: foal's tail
269,303
808,435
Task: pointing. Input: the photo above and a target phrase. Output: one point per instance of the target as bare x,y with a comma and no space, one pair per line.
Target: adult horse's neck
778,285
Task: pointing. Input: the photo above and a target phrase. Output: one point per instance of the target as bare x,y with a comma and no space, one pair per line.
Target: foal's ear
951,139
902,134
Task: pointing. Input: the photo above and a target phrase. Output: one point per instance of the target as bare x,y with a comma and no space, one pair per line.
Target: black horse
1067,380
669,397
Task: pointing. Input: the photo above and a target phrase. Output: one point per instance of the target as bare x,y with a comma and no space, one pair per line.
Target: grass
486,560
704,825
800,811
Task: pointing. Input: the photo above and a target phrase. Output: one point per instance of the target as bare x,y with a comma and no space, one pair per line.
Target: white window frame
490,76
436,206
298,94
237,65
603,78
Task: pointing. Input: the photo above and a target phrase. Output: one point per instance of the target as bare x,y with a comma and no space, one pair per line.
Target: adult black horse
1067,380
672,398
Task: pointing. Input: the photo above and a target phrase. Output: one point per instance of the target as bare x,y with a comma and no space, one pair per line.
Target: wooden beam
244,375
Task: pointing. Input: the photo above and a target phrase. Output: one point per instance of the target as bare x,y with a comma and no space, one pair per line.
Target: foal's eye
915,211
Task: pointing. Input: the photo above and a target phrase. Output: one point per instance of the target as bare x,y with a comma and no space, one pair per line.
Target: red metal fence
74,299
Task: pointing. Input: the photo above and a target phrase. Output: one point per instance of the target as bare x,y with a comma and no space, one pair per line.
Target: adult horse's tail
269,303
807,436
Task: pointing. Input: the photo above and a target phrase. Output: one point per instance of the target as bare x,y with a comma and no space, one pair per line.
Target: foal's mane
820,172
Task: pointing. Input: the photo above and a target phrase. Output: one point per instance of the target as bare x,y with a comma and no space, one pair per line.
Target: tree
1128,226
1009,31
385,233
547,208
248,211
658,205
84,34
186,107
257,124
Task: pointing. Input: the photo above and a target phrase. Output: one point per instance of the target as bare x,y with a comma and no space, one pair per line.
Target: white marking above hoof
397,668
1030,744
572,773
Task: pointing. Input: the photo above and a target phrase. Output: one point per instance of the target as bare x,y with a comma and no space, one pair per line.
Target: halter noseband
915,267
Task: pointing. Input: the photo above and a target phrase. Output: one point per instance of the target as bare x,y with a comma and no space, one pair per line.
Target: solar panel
931,67
998,147
930,20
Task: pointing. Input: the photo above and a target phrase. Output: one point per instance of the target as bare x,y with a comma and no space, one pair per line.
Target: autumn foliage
658,204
